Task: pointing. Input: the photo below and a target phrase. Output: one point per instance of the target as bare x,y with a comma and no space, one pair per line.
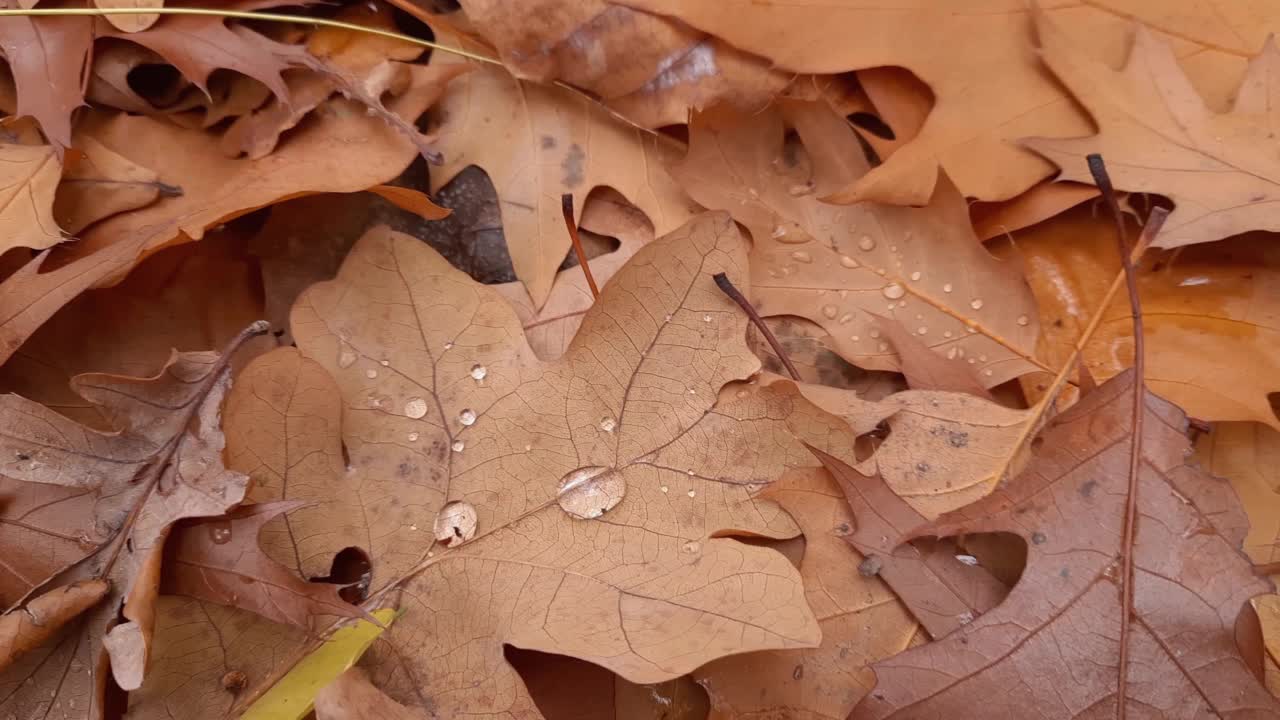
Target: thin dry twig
566,206
725,284
1098,169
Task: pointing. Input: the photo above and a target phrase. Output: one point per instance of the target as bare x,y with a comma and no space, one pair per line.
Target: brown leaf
1191,582
836,266
1248,454
48,56
102,183
1159,136
1210,313
986,98
353,697
29,627
219,560
538,143
91,505
415,201
344,151
438,419
861,621
942,593
28,180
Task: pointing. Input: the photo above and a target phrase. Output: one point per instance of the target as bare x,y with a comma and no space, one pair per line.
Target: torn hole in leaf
1003,554
346,456
566,687
352,568
791,548
159,84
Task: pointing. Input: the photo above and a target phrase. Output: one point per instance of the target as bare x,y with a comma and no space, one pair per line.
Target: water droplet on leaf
591,491
467,417
415,407
456,523
478,372
893,291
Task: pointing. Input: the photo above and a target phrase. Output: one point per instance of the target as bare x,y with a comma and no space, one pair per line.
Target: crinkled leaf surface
842,266
1062,619
84,504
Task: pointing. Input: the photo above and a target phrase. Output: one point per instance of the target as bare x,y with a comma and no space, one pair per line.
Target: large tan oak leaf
622,568
989,92
1159,136
1063,618
537,143
77,504
848,268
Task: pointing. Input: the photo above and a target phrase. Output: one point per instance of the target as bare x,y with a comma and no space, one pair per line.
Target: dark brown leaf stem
1099,171
566,205
724,283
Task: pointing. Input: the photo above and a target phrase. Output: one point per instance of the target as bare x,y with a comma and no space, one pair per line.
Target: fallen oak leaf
48,57
93,505
538,143
219,560
352,697
836,265
460,391
1190,583
132,22
925,369
1159,136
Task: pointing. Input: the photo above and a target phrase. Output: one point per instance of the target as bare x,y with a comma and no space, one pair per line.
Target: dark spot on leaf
1064,573
234,681
843,529
1038,538
23,456
870,567
572,166
958,439
1086,490
404,469
1058,323
547,142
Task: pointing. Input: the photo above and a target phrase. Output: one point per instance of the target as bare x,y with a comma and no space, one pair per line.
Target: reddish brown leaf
48,56
942,592
220,560
927,370
31,626
1063,618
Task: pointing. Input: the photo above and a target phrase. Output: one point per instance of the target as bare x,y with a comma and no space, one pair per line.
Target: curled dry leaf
1210,313
839,267
195,295
219,560
28,180
84,505
650,69
1191,581
861,621
100,183
31,626
538,143
344,151
987,97
1159,136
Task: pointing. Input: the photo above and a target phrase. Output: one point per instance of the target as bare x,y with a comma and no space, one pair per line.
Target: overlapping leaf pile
448,462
